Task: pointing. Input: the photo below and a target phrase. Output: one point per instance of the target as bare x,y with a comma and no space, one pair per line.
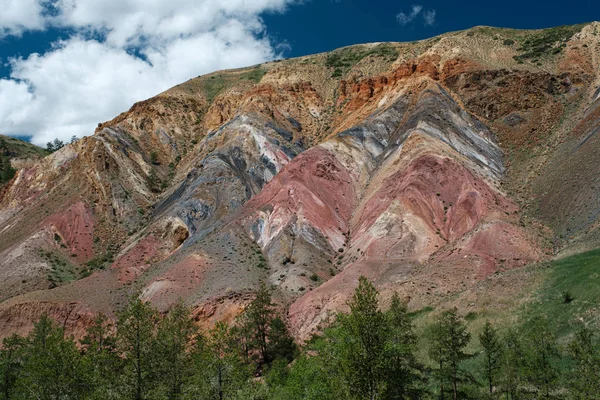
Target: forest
366,353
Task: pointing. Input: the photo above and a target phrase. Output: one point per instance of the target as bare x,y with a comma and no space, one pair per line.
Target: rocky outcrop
415,164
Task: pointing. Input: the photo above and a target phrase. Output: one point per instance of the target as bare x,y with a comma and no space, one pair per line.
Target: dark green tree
136,342
512,365
492,354
101,356
584,378
52,366
58,144
221,373
11,365
281,345
242,330
365,331
403,371
543,357
261,312
7,170
154,183
175,364
449,338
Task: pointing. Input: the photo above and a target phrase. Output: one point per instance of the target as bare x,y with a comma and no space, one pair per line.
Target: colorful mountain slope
430,167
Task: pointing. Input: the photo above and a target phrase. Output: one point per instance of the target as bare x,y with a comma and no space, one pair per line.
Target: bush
567,297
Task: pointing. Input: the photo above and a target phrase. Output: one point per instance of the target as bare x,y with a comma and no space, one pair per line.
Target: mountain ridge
304,172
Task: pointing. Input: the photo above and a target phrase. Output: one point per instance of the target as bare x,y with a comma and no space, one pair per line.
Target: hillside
442,169
15,153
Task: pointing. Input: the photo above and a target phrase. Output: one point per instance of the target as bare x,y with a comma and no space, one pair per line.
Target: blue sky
66,65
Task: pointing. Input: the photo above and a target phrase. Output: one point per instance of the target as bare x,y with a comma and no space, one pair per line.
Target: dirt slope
429,166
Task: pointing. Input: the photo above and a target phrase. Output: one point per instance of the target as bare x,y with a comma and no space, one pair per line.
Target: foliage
344,59
585,352
546,42
55,145
213,85
578,277
492,349
365,331
449,338
367,353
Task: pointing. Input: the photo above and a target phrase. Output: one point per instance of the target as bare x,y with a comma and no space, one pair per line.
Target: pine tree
542,359
11,365
261,313
492,354
221,372
365,331
242,330
281,345
101,356
175,366
584,379
136,335
513,364
58,144
153,181
52,367
402,367
449,338
7,170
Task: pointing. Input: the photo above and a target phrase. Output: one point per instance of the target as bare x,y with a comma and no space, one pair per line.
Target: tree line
7,172
58,144
363,354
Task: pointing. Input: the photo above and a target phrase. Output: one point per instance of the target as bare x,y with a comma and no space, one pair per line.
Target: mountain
442,169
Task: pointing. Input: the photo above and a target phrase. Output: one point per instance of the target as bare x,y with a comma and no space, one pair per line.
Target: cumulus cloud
405,18
124,51
17,16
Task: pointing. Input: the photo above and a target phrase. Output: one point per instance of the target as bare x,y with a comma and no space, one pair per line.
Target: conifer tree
175,366
219,366
492,354
261,313
52,367
449,338
365,331
281,345
136,335
513,364
101,356
402,367
7,170
11,365
542,359
584,378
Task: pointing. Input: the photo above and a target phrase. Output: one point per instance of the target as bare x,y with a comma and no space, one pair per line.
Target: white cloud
416,10
405,19
17,16
91,78
429,17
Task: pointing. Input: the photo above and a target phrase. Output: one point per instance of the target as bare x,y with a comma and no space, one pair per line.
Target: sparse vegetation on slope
546,42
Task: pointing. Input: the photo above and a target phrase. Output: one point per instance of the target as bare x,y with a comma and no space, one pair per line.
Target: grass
546,42
19,148
569,295
343,60
213,85
60,269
